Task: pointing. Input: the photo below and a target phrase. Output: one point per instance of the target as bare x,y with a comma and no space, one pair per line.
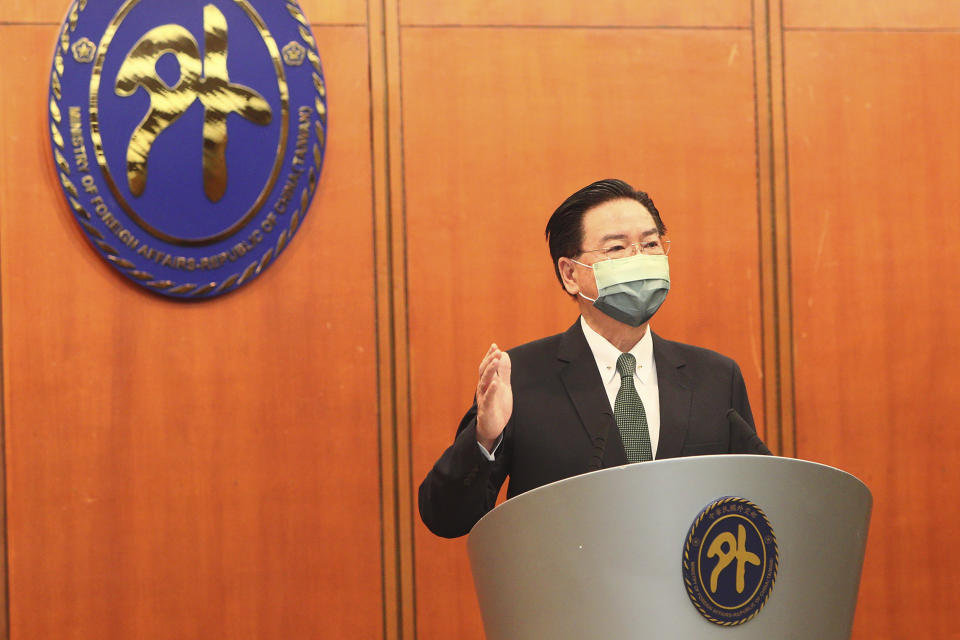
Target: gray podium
600,555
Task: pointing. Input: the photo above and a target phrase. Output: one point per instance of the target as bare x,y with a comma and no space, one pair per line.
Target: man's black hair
565,228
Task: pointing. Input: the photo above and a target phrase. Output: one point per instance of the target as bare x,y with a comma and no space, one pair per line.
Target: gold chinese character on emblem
736,549
204,79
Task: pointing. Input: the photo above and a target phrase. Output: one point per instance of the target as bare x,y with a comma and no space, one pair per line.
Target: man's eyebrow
613,236
623,236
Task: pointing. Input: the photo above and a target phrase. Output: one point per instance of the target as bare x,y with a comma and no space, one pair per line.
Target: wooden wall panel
34,11
335,11
212,470
875,14
53,11
500,125
874,160
615,13
203,470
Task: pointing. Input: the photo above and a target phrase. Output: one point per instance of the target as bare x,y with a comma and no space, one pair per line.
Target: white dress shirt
645,377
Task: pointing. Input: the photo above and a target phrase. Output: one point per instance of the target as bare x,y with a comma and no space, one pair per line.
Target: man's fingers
491,352
504,368
494,396
487,374
489,401
495,366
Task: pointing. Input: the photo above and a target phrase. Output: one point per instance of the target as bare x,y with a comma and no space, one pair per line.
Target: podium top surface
603,554
707,469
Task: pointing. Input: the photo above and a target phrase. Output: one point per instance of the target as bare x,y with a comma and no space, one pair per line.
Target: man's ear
567,269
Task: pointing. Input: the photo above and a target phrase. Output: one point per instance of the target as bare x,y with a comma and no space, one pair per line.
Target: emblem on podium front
730,561
188,136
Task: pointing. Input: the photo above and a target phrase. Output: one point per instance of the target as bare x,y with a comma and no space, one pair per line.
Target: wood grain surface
522,119
189,470
222,470
609,13
875,15
874,158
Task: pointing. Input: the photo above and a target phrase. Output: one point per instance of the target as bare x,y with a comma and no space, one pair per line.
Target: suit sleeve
463,484
743,437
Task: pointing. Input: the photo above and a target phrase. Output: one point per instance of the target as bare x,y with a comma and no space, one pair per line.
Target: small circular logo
188,136
730,561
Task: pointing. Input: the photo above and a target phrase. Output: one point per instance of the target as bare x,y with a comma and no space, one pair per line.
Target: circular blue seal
188,136
730,561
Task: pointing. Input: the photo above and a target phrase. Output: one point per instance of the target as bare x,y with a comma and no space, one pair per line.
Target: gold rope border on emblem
686,562
111,254
271,45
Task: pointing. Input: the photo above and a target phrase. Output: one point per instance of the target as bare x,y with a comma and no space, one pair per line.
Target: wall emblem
188,136
730,561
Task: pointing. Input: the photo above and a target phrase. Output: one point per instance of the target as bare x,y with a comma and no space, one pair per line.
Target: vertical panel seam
774,230
787,261
383,298
781,227
409,602
4,529
760,226
766,214
775,238
5,595
395,296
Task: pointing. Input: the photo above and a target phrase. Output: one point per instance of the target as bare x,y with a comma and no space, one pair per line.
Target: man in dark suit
605,392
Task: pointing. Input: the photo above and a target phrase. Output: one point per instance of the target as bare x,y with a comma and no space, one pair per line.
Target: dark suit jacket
562,425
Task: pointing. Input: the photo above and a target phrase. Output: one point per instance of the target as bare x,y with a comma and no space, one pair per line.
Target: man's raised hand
494,396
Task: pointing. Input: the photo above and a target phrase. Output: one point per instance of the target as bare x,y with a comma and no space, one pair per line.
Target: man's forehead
622,216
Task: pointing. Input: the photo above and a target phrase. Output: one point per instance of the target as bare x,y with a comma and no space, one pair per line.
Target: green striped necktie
629,413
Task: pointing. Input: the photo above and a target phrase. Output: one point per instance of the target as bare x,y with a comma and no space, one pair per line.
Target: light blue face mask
630,289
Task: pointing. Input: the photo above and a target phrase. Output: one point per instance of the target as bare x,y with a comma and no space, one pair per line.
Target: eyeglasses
658,246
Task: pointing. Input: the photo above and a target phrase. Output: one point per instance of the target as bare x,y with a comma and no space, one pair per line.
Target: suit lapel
676,397
583,384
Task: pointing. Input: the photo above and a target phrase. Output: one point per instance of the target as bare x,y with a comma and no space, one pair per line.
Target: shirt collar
606,354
